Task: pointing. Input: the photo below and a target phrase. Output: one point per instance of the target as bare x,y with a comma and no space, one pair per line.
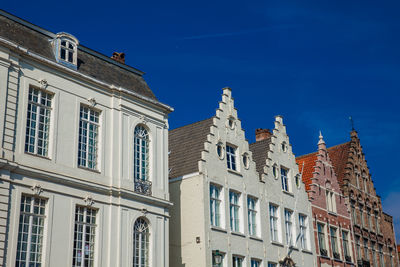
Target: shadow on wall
175,251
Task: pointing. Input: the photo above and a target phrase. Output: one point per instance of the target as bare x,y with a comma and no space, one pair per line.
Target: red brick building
332,223
373,229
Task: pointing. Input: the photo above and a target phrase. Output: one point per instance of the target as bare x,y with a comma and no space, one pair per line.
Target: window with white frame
346,249
67,50
272,264
234,208
330,201
88,137
303,231
84,237
38,122
141,153
30,231
231,157
289,227
334,243
273,222
215,205
252,215
321,239
141,240
237,261
285,179
255,263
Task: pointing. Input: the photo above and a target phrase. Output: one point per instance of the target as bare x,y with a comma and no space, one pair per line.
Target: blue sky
314,62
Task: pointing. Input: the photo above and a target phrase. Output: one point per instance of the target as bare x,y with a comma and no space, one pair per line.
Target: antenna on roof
352,123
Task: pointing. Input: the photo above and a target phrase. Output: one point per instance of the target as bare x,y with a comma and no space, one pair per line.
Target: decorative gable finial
352,123
321,139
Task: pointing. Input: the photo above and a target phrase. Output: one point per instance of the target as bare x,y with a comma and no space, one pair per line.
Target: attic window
65,49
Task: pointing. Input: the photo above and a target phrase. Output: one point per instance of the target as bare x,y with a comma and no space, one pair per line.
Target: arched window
141,153
141,243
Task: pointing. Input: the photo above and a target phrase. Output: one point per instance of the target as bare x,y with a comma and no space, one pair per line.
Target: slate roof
307,170
185,146
339,156
90,63
260,150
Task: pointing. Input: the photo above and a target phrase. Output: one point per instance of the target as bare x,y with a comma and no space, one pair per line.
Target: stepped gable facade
331,217
373,229
290,231
83,155
217,218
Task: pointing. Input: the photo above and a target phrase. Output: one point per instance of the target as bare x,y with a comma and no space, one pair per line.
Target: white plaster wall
65,185
296,200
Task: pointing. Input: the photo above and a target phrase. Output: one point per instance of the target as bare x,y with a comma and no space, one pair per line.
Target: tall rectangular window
381,263
362,216
346,250
30,231
289,227
84,237
369,219
273,222
252,215
215,205
234,207
391,257
255,263
231,157
353,214
285,180
366,249
334,243
88,137
38,122
303,231
377,223
237,261
374,262
321,239
330,201
358,247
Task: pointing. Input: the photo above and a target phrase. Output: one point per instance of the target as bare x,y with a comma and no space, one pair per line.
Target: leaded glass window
141,153
84,237
141,240
38,122
88,137
30,232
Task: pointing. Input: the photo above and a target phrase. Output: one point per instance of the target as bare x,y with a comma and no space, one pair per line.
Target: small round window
275,171
297,181
246,160
231,123
284,147
220,151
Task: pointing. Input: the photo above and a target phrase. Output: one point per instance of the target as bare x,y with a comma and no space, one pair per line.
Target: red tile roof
339,156
308,168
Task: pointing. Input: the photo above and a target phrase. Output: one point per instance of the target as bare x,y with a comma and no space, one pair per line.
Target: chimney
120,57
262,134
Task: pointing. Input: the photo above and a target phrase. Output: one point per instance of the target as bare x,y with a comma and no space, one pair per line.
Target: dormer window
65,48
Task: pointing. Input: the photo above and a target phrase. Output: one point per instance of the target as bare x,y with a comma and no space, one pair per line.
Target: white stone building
83,155
221,206
290,229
